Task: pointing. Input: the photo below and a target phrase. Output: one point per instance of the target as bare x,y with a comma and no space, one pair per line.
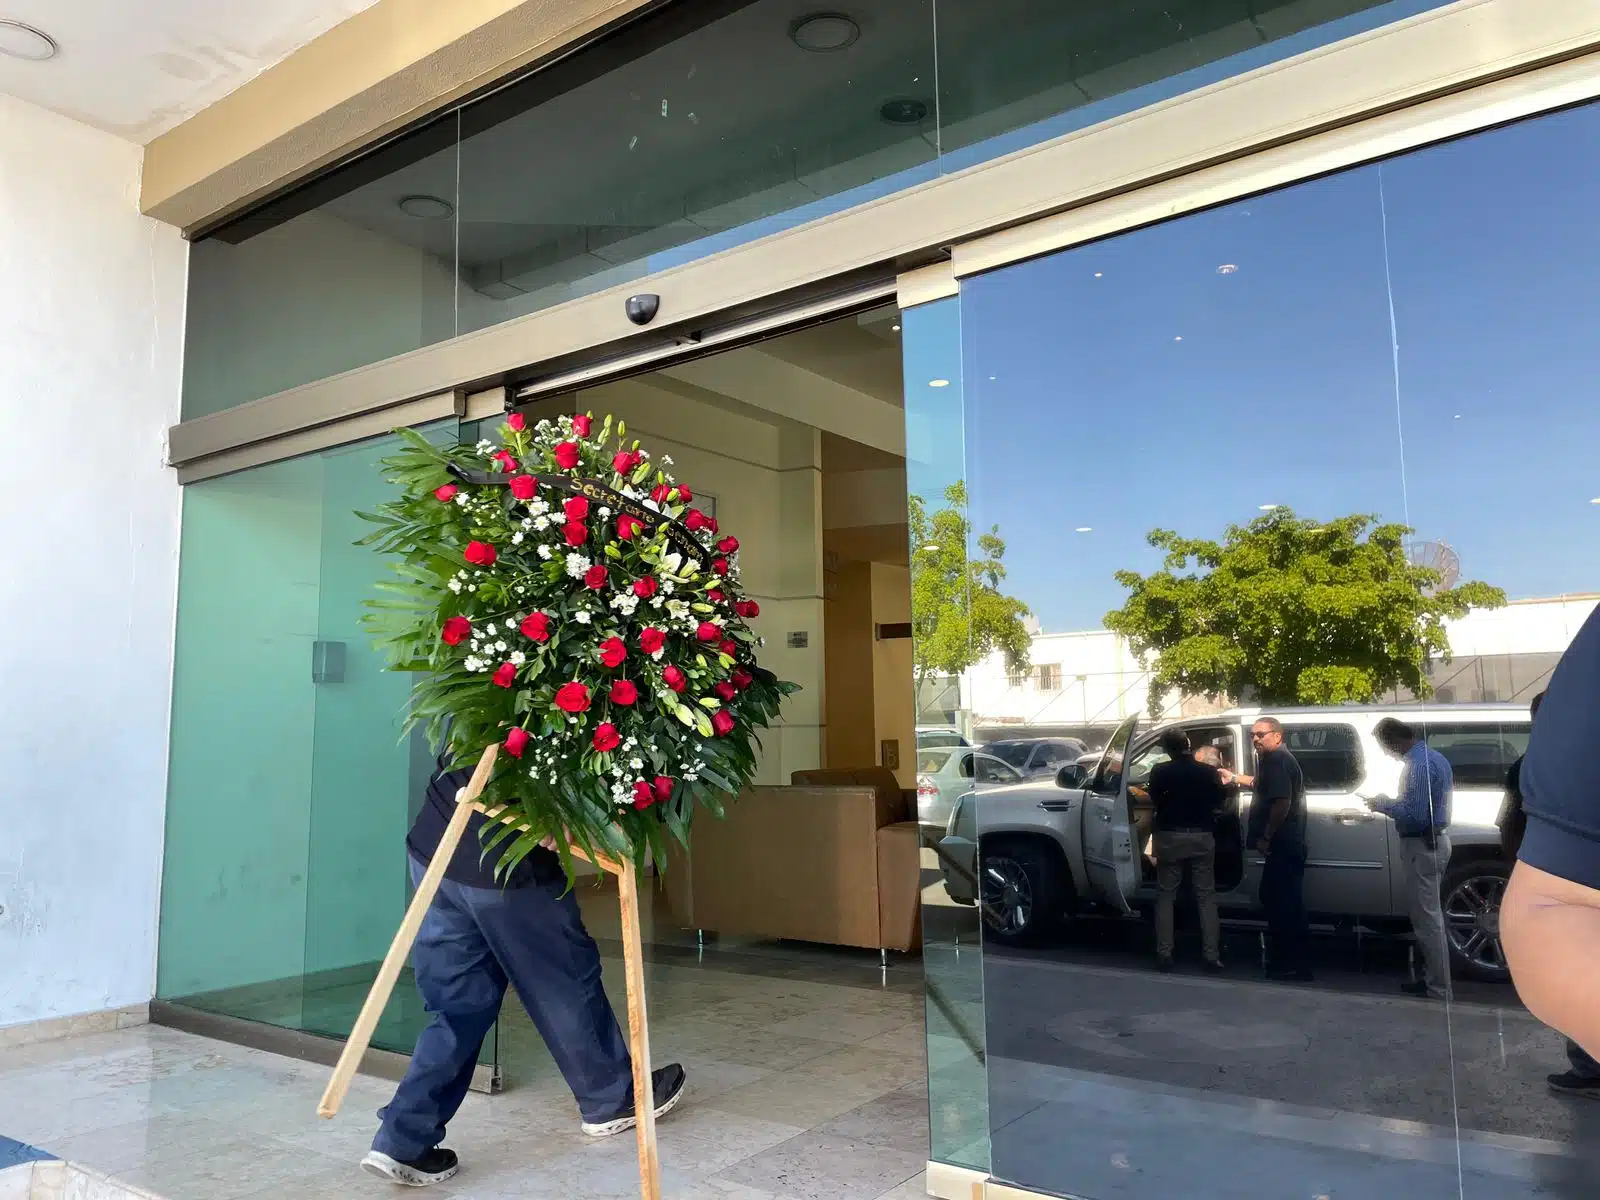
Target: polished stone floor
807,1080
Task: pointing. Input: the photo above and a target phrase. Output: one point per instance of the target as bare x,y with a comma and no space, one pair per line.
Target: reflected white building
1083,683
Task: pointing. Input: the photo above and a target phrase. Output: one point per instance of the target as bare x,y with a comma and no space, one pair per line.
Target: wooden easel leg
639,1034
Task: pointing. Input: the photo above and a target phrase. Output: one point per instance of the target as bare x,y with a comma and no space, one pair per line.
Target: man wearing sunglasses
1277,828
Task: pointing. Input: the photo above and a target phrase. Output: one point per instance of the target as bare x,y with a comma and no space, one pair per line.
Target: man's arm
1550,928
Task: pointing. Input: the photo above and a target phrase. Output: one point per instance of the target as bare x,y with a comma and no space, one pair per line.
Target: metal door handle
1354,816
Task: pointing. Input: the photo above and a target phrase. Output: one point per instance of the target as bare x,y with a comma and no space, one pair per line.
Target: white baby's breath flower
516,538
518,658
577,565
583,617
501,647
491,629
463,499
545,552
604,512
541,524
636,763
455,586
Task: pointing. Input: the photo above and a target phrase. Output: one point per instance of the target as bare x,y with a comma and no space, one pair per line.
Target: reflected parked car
1034,757
929,736
1052,849
947,772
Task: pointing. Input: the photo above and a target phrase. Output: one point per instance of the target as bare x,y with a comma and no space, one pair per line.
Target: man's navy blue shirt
468,866
1560,783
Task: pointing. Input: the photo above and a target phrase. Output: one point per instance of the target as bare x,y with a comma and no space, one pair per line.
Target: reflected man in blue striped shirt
1421,817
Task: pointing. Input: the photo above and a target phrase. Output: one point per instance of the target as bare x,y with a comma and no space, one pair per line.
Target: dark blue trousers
1283,884
473,942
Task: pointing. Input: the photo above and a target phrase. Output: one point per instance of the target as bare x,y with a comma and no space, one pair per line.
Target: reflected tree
959,615
1294,610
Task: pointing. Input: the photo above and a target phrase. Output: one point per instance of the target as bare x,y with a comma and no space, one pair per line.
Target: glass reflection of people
1550,918
1421,817
1186,796
1277,829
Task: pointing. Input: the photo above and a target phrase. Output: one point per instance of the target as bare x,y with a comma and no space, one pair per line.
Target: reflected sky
1187,374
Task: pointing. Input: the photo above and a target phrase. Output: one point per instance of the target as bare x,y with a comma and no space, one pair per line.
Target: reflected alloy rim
1472,921
1007,895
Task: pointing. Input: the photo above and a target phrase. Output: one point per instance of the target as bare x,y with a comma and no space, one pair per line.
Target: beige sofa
830,859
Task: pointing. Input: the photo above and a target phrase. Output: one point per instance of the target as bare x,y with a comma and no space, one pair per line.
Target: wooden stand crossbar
400,950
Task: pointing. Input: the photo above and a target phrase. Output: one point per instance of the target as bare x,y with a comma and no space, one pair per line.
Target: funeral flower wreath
560,594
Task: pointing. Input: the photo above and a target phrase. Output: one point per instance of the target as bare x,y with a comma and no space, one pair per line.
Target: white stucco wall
91,325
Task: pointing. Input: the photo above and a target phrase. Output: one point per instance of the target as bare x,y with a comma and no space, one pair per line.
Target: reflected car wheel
1471,898
1020,893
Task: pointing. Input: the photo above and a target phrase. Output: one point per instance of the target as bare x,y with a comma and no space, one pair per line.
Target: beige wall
892,692
381,70
850,714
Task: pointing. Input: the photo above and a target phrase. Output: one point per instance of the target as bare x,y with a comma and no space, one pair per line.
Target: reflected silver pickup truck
1043,850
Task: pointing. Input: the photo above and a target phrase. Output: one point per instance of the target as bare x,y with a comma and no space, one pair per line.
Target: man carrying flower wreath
562,599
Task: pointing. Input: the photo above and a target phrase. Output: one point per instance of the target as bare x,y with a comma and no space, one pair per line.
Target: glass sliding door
1278,489
291,790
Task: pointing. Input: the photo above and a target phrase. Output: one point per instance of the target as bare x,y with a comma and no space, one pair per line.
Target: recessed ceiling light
1227,269
1596,500
824,33
1085,529
24,41
894,329
1268,507
938,383
427,208
903,110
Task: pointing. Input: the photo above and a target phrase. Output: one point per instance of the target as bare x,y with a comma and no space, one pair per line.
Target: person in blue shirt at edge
1421,817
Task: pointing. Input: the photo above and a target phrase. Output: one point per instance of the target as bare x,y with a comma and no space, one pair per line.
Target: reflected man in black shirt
1278,830
1186,795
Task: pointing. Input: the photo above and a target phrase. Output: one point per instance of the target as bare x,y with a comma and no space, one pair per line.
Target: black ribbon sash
594,490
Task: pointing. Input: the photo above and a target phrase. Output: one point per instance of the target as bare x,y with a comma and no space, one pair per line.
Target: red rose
572,697
747,609
613,652
567,455
726,690
742,679
624,692
695,521
576,533
685,496
729,647
606,737
729,545
675,679
720,566
708,631
536,627
626,461
581,424
480,554
517,421
715,596
446,493
505,675
643,795
723,723
503,457
651,640
594,578
711,524
516,742
628,526
646,587
576,508
523,487
456,630
660,492
663,788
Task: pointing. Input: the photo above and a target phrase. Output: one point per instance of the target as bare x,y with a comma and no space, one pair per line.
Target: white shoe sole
623,1124
396,1171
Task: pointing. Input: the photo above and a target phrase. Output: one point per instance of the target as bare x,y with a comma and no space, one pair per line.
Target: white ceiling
136,68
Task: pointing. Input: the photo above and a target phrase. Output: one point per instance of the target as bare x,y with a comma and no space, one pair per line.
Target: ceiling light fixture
903,110
427,208
1085,529
1268,507
1227,269
824,33
938,383
20,40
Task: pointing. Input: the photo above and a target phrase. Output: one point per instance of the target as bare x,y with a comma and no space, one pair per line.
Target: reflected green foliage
959,616
1301,611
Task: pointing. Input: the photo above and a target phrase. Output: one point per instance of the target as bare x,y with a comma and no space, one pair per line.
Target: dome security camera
642,309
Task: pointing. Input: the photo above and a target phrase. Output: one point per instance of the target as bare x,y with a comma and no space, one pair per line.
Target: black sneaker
1165,965
667,1084
1214,966
435,1166
1570,1083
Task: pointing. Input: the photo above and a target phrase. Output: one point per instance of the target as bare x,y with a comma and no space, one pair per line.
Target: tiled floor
807,1079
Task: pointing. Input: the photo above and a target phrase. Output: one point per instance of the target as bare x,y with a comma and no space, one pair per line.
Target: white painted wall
91,325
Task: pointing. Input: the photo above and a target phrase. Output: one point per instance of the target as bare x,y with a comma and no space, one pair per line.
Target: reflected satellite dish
1436,556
